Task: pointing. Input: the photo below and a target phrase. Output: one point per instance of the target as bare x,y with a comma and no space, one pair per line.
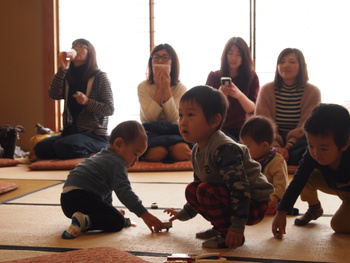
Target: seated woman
242,91
159,98
288,101
88,103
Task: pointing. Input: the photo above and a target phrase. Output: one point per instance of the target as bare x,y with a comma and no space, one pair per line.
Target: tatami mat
26,187
32,224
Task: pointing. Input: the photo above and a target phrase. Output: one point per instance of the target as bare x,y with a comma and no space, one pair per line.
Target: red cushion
4,162
7,187
55,164
138,167
158,166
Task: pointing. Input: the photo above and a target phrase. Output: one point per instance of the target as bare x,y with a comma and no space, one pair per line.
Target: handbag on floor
8,139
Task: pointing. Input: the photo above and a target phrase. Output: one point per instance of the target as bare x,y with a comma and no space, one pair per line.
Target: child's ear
215,120
266,146
118,142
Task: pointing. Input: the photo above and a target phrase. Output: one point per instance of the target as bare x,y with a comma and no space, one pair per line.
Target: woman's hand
81,98
161,77
62,61
231,90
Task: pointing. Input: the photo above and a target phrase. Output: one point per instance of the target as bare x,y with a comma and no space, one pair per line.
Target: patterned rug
98,254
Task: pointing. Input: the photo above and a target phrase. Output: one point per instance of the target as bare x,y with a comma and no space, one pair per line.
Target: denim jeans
78,145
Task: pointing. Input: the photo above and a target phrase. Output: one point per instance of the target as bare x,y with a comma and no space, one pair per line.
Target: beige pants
340,222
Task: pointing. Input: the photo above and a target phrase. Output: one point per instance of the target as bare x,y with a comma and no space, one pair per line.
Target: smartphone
226,81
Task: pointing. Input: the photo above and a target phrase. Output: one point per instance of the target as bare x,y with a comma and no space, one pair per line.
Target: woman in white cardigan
159,97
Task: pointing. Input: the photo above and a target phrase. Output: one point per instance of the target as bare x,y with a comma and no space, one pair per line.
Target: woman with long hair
88,101
288,101
243,87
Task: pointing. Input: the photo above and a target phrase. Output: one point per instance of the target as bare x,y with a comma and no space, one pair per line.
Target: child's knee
340,220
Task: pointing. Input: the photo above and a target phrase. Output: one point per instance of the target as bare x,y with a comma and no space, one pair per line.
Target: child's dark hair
127,130
212,101
329,120
259,128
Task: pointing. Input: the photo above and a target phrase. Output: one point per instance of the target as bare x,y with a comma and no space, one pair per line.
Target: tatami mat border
153,254
41,189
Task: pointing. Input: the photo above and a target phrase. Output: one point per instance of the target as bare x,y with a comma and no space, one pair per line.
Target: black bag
8,139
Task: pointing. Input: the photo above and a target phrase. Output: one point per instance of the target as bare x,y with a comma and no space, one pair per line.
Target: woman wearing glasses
88,98
159,97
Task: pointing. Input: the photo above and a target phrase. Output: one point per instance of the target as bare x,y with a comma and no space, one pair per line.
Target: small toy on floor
154,206
278,235
167,224
186,258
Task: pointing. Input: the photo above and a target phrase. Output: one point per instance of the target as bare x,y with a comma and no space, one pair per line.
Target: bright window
319,29
198,31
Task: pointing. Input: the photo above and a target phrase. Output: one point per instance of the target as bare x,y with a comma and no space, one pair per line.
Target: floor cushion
55,164
6,162
141,166
7,187
159,166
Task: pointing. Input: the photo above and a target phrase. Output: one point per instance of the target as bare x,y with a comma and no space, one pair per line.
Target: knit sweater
93,118
266,106
151,111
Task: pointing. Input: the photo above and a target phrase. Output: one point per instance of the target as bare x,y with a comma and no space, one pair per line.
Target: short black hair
259,128
212,101
128,131
329,120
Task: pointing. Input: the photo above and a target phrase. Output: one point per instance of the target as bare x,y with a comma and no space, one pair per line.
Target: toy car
167,224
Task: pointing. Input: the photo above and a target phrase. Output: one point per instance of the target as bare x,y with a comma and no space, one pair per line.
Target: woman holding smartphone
243,87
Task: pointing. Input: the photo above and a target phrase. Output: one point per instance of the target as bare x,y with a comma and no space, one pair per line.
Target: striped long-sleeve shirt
94,116
266,106
288,108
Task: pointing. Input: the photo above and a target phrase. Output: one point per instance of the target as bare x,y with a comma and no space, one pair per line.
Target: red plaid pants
212,201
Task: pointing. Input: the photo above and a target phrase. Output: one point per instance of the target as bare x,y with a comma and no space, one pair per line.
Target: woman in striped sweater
288,101
88,103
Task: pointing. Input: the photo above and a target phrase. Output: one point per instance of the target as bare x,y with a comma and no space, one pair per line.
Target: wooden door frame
52,116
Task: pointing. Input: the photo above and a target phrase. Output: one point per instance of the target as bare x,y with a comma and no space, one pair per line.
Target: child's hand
172,212
153,223
273,201
279,224
234,240
284,152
